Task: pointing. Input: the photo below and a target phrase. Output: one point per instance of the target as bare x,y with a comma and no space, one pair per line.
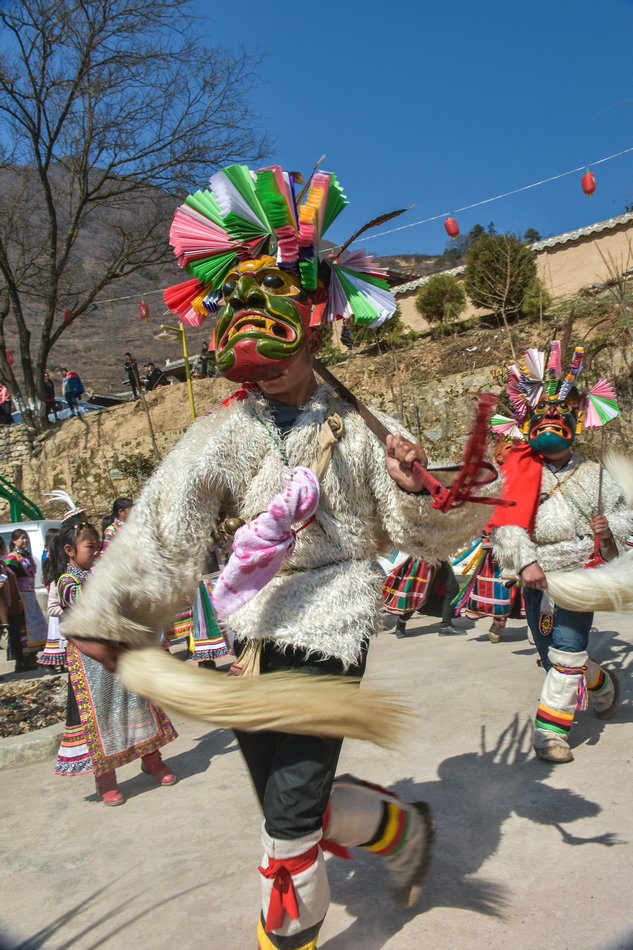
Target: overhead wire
435,217
506,194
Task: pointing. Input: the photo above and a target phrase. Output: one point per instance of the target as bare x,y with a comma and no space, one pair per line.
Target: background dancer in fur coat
317,614
569,513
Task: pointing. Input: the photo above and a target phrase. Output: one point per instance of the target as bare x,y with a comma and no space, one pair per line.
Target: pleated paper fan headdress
532,382
245,214
505,428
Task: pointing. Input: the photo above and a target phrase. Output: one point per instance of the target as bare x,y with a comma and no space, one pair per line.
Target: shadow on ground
43,936
184,765
474,795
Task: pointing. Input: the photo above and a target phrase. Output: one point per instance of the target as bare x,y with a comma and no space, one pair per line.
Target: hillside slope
102,455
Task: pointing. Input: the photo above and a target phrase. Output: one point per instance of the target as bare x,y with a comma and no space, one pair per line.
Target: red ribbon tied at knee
283,899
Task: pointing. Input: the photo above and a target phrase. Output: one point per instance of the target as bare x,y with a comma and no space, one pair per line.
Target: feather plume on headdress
60,495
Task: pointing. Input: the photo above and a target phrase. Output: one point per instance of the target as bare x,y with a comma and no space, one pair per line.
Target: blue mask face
552,428
547,442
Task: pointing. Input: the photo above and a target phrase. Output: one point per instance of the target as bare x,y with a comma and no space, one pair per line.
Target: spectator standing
204,360
72,388
54,653
15,612
131,369
346,337
49,395
6,419
21,562
154,377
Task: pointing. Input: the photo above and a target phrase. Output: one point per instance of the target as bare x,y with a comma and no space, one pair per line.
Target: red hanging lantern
452,228
588,182
143,309
9,357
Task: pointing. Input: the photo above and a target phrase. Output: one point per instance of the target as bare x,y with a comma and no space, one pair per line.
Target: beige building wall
566,264
569,267
414,319
409,314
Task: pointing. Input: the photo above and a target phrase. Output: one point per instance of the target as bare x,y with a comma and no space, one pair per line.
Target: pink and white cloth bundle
260,546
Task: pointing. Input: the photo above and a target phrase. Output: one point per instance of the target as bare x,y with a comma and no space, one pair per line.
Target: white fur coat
562,538
231,462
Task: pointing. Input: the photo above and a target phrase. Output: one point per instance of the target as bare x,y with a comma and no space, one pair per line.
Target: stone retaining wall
106,454
18,450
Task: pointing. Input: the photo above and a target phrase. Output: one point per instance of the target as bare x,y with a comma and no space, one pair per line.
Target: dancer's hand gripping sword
473,473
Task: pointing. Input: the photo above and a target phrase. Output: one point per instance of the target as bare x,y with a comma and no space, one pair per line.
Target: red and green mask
548,403
263,322
224,236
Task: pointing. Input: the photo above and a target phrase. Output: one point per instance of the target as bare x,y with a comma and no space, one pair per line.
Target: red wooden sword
474,471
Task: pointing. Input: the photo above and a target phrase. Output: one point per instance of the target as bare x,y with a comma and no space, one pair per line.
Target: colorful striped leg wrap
603,690
295,893
373,818
563,692
392,831
357,816
302,941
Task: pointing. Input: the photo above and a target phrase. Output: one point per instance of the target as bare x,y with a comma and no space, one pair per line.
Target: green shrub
537,299
136,466
453,329
441,298
499,270
329,353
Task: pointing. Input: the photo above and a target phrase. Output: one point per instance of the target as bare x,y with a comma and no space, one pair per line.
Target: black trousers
132,380
16,625
444,576
293,774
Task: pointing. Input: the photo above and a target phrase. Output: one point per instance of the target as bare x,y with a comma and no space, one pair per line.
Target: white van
36,531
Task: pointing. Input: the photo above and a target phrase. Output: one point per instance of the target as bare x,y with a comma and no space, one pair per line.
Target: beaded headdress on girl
73,510
245,214
533,382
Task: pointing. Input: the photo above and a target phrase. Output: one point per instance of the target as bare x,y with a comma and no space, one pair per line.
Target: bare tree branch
109,109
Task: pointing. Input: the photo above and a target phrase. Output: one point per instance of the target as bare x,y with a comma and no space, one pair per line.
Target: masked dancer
251,247
568,513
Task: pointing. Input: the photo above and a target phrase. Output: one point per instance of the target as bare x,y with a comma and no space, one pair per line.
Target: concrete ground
527,855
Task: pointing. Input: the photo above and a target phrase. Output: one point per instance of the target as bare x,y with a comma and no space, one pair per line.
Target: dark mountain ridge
94,344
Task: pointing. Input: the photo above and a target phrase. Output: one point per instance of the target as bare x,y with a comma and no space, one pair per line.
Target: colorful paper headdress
532,381
248,213
506,427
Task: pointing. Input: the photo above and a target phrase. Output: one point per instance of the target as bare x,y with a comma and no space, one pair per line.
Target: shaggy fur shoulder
562,539
233,462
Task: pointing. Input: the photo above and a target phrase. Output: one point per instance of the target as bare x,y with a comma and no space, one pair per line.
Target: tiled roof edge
414,284
582,232
537,246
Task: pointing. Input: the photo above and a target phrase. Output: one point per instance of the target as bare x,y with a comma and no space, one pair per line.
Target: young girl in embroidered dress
21,562
106,725
112,525
54,653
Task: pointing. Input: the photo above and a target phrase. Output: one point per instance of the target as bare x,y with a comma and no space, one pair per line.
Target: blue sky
444,105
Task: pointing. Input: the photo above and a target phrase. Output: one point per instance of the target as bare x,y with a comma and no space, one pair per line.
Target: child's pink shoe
108,788
153,765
